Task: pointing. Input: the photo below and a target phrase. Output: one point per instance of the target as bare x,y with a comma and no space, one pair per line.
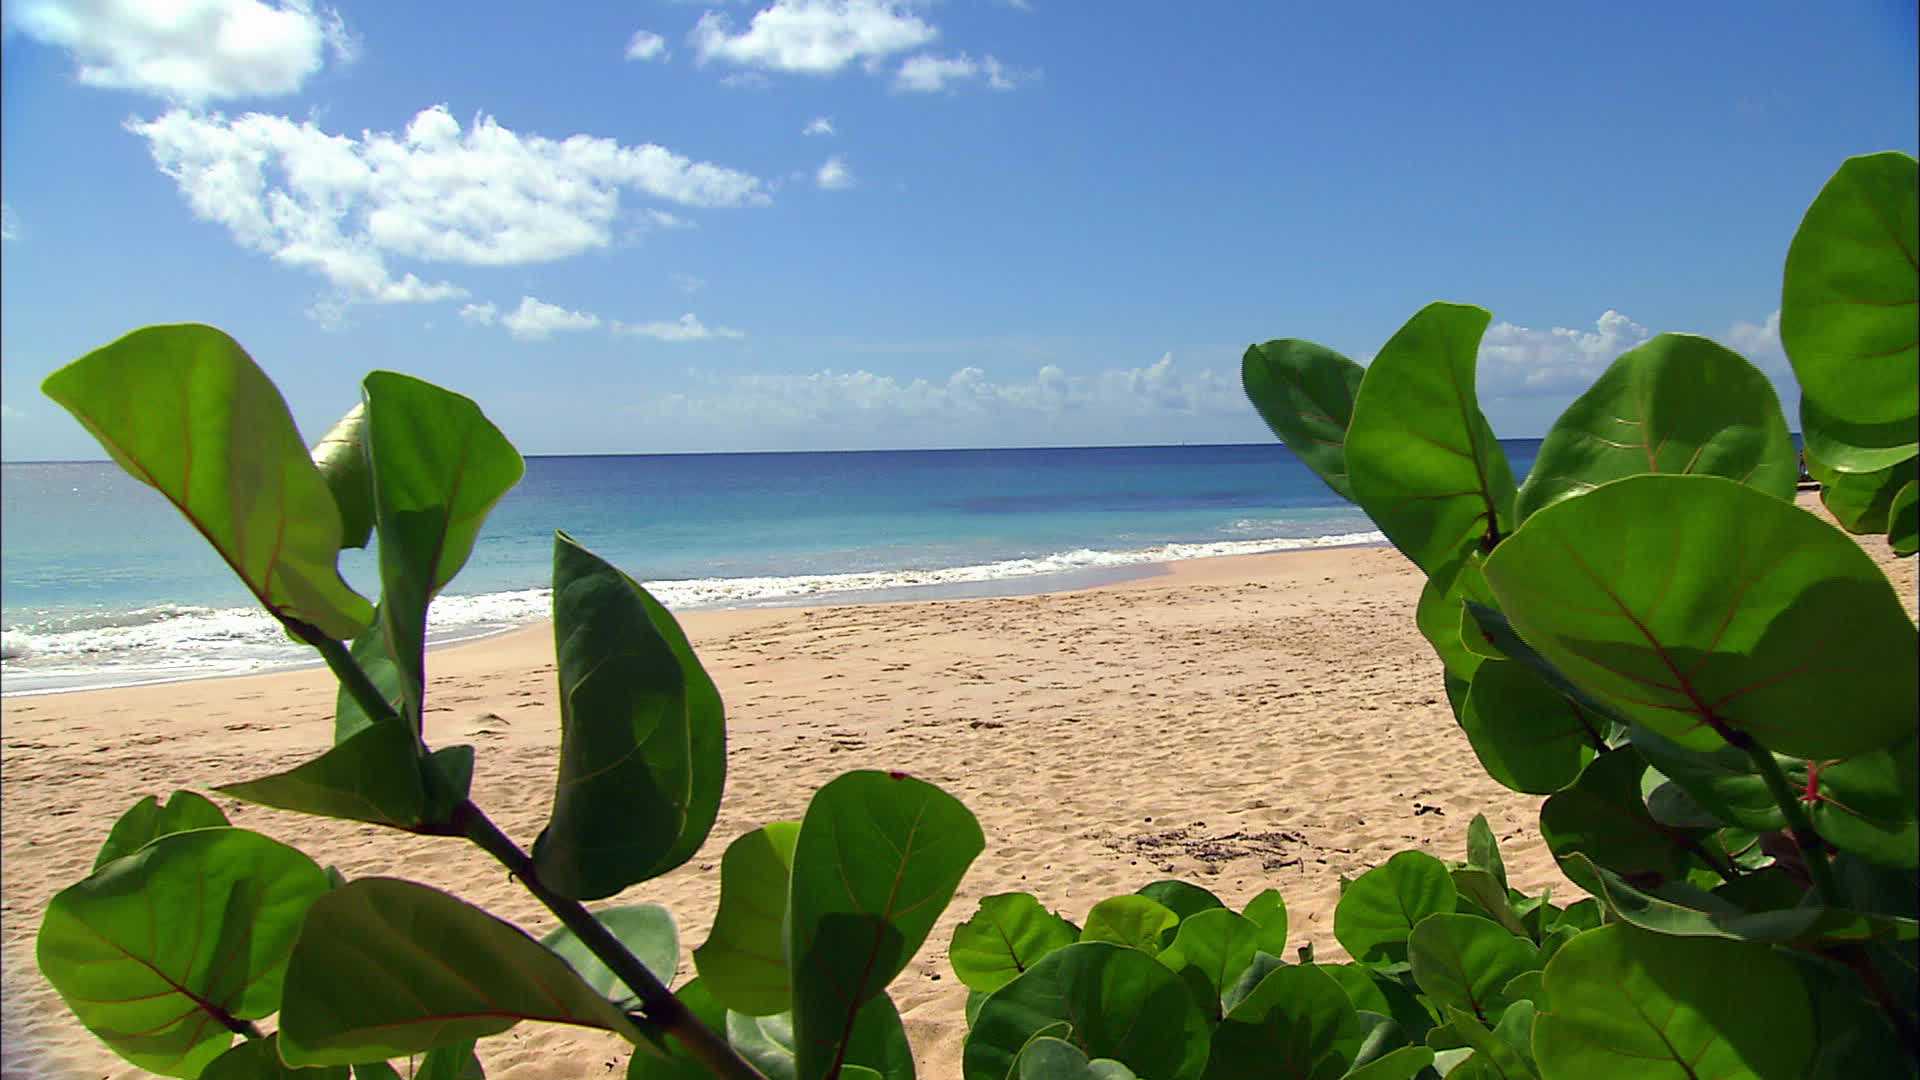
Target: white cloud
834,175
479,314
537,319
660,219
820,125
9,223
926,73
1516,359
483,196
191,51
686,328
646,45
814,37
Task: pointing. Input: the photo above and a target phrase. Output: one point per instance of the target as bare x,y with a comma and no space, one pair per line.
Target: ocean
103,583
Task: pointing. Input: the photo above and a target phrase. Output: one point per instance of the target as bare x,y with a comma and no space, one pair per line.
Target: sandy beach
1251,722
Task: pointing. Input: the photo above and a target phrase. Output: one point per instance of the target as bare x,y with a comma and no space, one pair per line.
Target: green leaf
456,1062
1527,735
1678,404
148,821
677,1064
373,776
1499,632
1385,995
1692,602
1048,1058
1298,1024
1119,1003
878,1042
185,411
646,930
1405,1063
386,968
1421,459
744,961
1903,521
1629,1002
706,737
1216,943
1525,986
162,953
259,1059
341,457
1305,394
1483,891
878,858
1180,897
1498,1056
1722,779
1847,305
1381,907
371,652
621,803
1860,501
1678,909
1852,1037
1268,911
1441,617
1603,816
1008,935
1466,962
439,466
1483,850
1133,921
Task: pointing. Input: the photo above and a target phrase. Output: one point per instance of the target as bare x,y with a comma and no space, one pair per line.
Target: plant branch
346,669
1812,849
657,1003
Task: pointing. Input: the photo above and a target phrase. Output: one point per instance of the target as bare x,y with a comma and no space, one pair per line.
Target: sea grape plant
190,930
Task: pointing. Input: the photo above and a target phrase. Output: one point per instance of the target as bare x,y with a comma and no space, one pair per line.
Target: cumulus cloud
191,51
646,45
686,328
535,319
343,207
819,125
926,73
813,37
479,314
1522,360
834,175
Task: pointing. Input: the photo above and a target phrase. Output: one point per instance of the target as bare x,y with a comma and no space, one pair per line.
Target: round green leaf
385,968
259,1059
878,1042
1405,1063
1603,816
1691,602
1528,736
163,952
1421,459
676,1063
186,411
1860,502
1466,962
373,775
1179,897
1678,404
1268,911
1441,616
1298,1024
1382,906
1048,1058
1008,935
646,930
1118,1003
1305,394
341,457
147,821
1626,1002
878,859
1903,520
1848,294
744,960
1216,943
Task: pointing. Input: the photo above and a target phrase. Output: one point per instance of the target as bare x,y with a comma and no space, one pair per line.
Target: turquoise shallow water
105,584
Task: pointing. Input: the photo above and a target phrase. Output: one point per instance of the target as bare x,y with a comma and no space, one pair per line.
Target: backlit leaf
1116,1003
1305,394
1527,735
646,930
1466,962
744,960
1133,921
341,457
147,821
1381,907
1008,935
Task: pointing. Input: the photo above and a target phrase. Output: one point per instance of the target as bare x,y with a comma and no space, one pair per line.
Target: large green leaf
744,960
1116,1003
1498,632
147,821
676,1063
163,953
878,1042
1305,394
1852,1037
1268,911
1694,603
186,411
386,968
371,652
1625,1002
1860,501
1528,736
1678,404
1133,921
1603,816
706,737
1903,520
1483,849
1440,612
1466,962
1847,312
373,776
1381,907
1681,910
646,930
1498,1056
1008,935
1180,897
878,858
1217,944
1421,459
1298,1024
439,465
259,1059
1049,1058
1406,1063
341,457
621,803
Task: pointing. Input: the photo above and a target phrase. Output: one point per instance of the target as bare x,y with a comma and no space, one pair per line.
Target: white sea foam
167,642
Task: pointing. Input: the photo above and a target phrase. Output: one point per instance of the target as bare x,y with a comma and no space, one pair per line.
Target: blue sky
876,223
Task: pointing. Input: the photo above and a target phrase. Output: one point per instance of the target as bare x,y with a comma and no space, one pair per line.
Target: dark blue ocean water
104,582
